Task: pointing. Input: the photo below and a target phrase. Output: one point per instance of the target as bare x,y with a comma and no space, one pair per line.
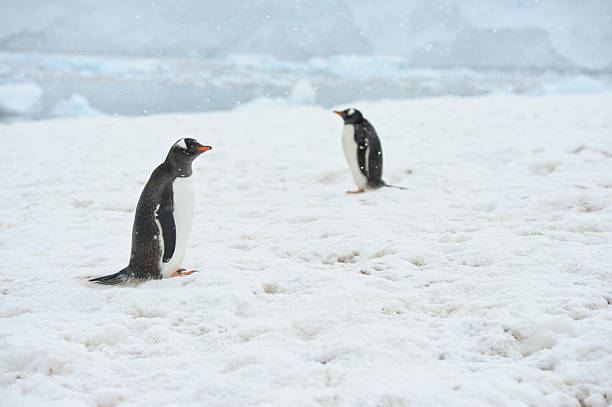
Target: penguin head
182,153
350,116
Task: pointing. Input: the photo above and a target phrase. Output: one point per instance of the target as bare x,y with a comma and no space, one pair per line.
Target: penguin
163,220
362,150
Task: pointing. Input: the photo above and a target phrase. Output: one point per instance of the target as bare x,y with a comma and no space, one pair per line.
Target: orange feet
182,272
355,192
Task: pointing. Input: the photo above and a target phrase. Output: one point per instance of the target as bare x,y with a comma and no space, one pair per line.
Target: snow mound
75,106
302,93
19,98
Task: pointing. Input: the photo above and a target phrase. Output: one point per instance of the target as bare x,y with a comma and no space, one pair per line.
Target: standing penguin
163,219
362,150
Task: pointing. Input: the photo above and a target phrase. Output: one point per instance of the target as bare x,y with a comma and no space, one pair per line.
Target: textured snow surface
487,282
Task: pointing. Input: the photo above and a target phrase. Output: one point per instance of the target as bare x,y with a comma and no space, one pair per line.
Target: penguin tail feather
112,279
394,186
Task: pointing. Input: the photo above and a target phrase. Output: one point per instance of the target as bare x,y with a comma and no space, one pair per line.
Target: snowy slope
487,282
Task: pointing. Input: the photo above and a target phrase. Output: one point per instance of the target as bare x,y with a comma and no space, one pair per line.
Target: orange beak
205,148
337,112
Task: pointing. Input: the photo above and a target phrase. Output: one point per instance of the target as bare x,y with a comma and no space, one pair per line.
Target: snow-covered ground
487,282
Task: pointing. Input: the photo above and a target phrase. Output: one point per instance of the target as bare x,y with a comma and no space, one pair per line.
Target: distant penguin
163,219
362,150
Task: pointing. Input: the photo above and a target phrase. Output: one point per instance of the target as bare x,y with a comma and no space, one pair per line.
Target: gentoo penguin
362,150
164,214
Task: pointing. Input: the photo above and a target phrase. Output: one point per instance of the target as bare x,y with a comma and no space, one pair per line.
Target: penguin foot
360,190
182,272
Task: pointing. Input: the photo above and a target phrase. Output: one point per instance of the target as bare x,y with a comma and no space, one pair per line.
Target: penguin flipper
373,155
165,215
112,279
362,147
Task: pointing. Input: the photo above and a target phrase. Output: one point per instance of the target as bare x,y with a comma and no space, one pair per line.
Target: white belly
184,199
350,152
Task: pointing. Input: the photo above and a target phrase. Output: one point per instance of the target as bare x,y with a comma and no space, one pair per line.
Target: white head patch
351,111
181,144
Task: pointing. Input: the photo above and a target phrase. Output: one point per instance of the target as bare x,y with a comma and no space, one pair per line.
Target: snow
302,93
75,106
486,282
19,98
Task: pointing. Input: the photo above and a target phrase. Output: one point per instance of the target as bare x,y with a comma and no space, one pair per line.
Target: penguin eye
350,112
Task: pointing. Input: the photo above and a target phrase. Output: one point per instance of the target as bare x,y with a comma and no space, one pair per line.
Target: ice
577,84
486,282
